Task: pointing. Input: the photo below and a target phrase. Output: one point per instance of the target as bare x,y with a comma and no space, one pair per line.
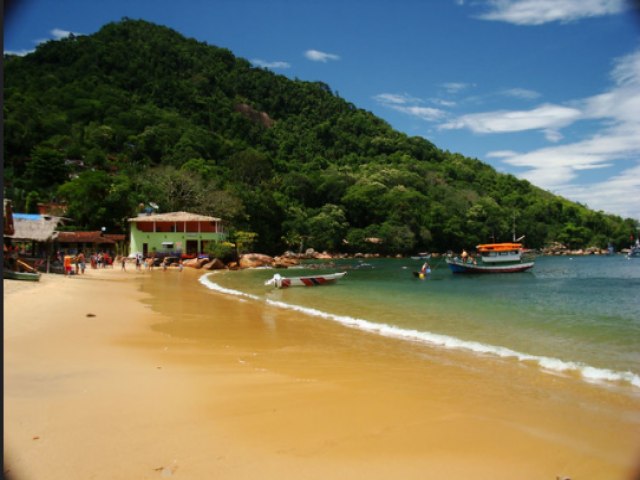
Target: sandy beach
117,375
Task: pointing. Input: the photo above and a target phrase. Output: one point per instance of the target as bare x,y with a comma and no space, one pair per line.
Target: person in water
425,268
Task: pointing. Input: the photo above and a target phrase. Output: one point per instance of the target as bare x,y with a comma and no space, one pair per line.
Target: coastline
145,389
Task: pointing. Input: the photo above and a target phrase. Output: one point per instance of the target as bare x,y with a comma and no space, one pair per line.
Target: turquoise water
578,315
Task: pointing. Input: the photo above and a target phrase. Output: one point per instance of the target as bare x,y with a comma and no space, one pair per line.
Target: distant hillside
138,113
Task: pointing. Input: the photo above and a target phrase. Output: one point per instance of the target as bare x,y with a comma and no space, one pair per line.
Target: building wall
155,240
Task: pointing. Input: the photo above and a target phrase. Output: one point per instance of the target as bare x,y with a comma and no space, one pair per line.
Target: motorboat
493,258
279,281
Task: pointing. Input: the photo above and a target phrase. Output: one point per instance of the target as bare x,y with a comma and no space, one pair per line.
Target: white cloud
558,167
544,117
58,33
522,93
455,87
318,56
538,12
501,154
409,105
19,53
552,135
395,98
617,194
271,65
425,113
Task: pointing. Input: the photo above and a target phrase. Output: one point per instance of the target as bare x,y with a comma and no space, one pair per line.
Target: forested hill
137,113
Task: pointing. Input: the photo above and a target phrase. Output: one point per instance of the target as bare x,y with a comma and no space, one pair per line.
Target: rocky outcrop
285,262
253,260
215,264
254,115
195,262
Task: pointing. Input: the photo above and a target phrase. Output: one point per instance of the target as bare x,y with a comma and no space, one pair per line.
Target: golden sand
115,375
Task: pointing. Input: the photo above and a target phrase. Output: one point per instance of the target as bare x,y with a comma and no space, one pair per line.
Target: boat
16,269
421,256
494,258
634,251
279,281
13,275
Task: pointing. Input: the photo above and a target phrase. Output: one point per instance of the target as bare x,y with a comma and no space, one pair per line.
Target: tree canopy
137,113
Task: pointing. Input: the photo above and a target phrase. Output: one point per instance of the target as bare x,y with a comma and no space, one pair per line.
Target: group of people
77,264
148,263
466,258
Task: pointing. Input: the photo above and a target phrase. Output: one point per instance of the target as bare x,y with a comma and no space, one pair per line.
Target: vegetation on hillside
138,113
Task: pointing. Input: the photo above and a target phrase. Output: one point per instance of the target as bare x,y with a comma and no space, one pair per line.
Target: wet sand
148,375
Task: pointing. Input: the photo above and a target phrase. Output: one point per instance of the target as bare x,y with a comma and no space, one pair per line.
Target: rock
215,264
285,262
253,260
195,262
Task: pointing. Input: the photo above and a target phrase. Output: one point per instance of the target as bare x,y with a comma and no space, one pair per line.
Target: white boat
634,251
494,258
306,281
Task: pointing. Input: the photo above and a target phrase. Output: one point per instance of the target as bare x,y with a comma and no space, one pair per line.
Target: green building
174,233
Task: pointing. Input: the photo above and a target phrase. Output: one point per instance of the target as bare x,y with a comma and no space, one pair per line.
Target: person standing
67,264
81,262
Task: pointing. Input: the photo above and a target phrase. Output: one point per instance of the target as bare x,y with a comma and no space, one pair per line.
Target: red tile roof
89,237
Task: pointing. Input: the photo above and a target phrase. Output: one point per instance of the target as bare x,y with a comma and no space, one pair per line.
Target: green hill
137,113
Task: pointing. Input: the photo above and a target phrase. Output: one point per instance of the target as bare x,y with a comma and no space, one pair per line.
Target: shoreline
147,389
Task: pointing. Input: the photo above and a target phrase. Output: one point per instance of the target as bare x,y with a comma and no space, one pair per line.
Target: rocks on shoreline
291,259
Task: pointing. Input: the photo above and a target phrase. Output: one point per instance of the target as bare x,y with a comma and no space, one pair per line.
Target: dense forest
137,113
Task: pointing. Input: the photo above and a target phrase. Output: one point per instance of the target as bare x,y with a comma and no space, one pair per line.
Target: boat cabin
500,252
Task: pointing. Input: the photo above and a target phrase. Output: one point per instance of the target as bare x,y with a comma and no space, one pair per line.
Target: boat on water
14,275
421,256
494,258
634,251
279,281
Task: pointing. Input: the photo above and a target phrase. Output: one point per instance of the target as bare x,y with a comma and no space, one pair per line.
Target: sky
546,90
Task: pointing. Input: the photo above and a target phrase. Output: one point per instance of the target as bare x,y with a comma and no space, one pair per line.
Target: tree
46,169
328,227
96,199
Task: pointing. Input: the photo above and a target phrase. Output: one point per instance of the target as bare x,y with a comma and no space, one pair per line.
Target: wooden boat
494,258
20,271
13,275
305,281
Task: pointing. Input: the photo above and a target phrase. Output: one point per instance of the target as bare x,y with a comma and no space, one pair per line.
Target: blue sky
548,90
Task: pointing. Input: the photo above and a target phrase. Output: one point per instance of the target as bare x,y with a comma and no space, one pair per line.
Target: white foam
587,372
204,280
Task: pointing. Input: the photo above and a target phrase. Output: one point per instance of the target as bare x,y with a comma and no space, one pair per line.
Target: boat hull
28,276
459,267
306,281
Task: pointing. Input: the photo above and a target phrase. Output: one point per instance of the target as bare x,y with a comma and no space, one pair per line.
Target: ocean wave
587,372
204,280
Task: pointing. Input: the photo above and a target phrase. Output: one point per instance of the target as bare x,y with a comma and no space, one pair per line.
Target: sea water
575,315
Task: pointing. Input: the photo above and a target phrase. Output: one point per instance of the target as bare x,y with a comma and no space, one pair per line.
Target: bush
224,251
